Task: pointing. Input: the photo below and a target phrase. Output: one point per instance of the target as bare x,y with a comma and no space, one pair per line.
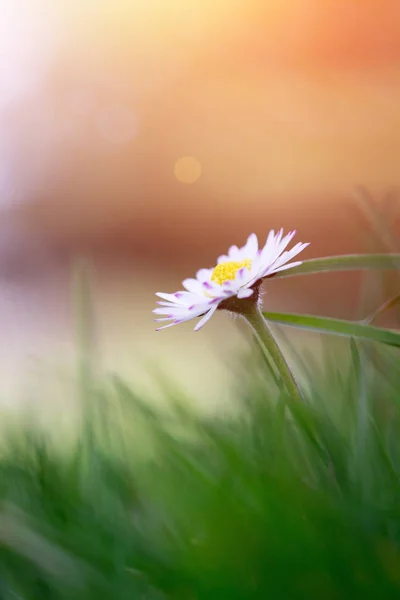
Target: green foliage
336,326
278,499
282,500
346,262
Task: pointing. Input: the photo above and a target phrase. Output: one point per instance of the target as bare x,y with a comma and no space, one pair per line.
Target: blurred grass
274,499
265,497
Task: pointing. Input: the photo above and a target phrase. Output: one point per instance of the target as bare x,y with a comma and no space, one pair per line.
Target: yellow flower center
227,271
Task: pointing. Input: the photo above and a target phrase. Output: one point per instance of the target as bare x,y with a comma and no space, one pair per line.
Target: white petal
289,266
255,266
251,247
170,297
178,321
243,277
228,287
204,274
162,319
179,298
279,235
249,250
275,248
283,243
223,258
270,237
211,289
162,311
206,318
241,274
269,248
194,286
173,311
286,256
245,293
170,304
234,253
169,325
273,259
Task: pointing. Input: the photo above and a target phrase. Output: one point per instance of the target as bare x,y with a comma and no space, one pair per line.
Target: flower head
236,277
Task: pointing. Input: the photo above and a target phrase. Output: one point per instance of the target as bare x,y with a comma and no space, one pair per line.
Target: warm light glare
187,169
117,124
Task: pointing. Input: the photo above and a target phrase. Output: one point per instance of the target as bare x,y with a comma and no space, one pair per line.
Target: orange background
285,105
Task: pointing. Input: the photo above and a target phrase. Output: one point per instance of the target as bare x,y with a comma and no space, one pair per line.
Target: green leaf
346,262
336,326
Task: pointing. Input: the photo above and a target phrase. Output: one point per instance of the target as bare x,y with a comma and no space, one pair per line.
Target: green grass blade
336,326
346,262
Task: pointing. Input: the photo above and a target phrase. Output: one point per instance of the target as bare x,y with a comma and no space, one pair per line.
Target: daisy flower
232,284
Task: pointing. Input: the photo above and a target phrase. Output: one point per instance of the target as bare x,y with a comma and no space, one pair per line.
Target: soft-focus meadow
144,138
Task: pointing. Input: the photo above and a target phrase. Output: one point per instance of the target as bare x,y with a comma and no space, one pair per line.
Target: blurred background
148,136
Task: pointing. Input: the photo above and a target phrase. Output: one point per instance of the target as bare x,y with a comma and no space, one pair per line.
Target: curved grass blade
336,327
346,262
381,309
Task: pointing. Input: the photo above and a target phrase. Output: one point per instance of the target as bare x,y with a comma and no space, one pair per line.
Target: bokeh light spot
187,169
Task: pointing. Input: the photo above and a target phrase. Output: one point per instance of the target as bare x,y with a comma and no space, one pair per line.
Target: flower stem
263,333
